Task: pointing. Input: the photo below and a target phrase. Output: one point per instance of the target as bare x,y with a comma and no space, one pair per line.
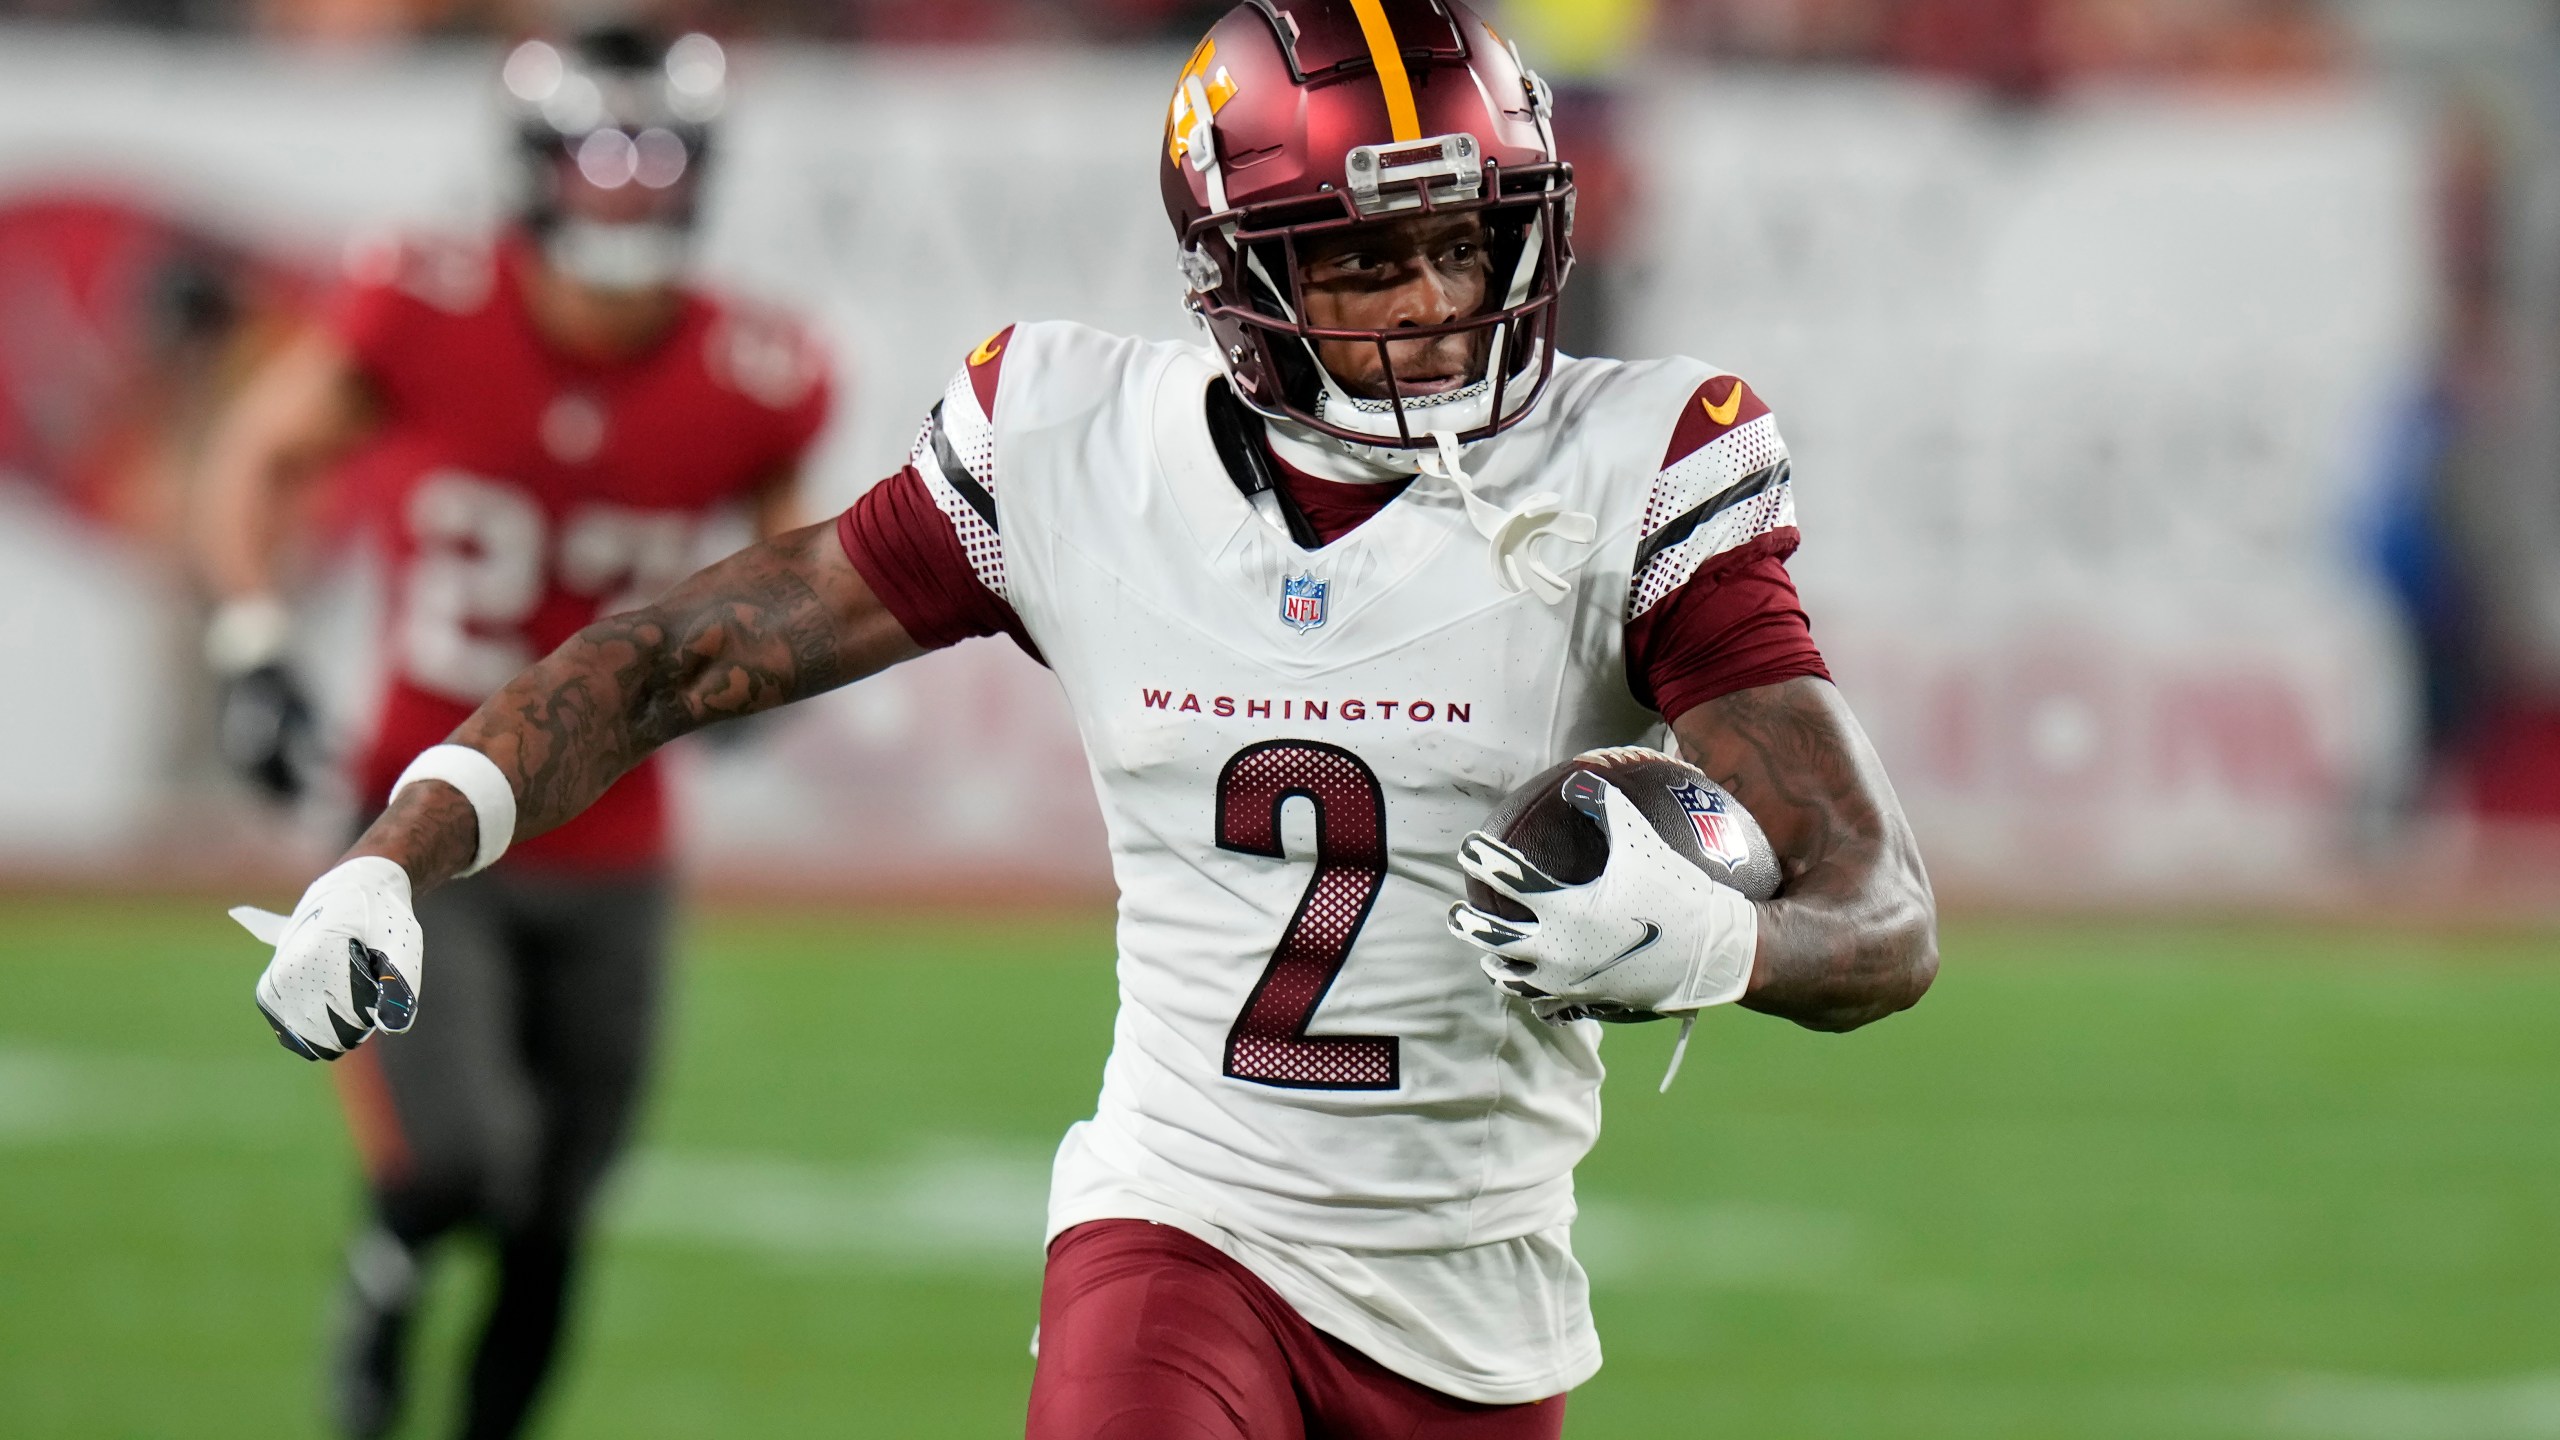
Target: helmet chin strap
1514,533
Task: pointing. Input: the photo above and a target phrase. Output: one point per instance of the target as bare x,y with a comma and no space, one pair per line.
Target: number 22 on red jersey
487,557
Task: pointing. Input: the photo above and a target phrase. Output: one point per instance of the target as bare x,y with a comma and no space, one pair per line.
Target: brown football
1546,821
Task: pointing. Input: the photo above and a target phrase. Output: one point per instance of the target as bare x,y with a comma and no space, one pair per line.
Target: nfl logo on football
1302,601
1717,833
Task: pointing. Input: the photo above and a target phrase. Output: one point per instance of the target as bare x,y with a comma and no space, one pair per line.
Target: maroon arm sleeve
1735,624
907,551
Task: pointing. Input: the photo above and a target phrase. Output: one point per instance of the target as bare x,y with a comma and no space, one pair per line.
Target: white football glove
347,961
1653,935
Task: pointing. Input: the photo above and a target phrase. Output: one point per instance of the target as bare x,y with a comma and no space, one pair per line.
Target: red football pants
1147,1333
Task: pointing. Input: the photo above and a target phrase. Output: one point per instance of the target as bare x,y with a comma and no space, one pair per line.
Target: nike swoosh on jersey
1652,932
1723,414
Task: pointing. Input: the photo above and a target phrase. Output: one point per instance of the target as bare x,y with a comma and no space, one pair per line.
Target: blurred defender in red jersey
539,431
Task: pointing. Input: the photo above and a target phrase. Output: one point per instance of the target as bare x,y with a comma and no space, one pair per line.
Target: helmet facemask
1247,270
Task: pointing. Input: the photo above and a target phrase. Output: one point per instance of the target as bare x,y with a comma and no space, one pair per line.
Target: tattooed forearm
774,623
754,638
1852,936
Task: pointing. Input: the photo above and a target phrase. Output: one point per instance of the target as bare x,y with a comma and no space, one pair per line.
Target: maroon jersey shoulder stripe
986,367
1721,404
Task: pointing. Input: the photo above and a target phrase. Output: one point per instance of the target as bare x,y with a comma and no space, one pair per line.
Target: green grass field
2108,1182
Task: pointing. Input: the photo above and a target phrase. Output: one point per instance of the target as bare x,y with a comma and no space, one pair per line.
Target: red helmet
1295,119
628,112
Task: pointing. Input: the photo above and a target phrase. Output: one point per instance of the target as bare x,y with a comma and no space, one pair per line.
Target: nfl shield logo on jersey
1302,601
1717,833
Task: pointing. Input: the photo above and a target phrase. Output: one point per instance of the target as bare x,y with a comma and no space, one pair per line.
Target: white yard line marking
965,1205
2362,1407
1730,1246
49,1095
982,1204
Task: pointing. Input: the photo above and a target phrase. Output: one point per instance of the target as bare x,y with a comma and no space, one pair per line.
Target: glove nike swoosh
1652,932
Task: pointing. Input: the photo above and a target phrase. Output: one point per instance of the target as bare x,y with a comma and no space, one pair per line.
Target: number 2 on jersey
1269,1043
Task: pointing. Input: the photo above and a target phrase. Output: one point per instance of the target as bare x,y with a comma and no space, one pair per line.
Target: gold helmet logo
1216,86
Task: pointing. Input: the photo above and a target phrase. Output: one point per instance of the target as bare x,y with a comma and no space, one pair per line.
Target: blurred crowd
2023,46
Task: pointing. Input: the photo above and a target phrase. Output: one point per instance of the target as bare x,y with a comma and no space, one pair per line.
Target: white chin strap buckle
1514,533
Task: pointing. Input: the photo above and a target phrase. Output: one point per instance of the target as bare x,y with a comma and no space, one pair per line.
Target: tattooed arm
1853,934
777,622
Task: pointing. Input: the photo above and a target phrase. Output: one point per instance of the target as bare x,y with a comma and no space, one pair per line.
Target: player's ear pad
1550,821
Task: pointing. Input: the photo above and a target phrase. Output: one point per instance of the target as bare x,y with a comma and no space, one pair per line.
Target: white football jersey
1288,746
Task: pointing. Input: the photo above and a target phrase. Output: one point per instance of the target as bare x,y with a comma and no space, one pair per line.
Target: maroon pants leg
1147,1333
1144,1335
1352,1397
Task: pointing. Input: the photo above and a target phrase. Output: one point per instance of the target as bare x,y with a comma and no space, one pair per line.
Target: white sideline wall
2083,409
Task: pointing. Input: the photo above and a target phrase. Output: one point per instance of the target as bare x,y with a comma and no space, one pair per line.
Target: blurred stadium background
2177,408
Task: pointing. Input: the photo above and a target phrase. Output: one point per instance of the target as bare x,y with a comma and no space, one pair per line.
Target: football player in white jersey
1319,592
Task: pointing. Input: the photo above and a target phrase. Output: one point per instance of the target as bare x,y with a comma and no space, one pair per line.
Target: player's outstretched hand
1653,935
347,960
264,725
266,731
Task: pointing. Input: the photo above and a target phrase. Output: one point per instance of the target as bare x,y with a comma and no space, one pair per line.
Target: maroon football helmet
1298,119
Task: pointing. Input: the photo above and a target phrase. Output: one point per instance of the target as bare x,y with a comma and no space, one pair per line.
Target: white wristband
482,783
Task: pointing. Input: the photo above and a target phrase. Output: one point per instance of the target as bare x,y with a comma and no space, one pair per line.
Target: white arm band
482,783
